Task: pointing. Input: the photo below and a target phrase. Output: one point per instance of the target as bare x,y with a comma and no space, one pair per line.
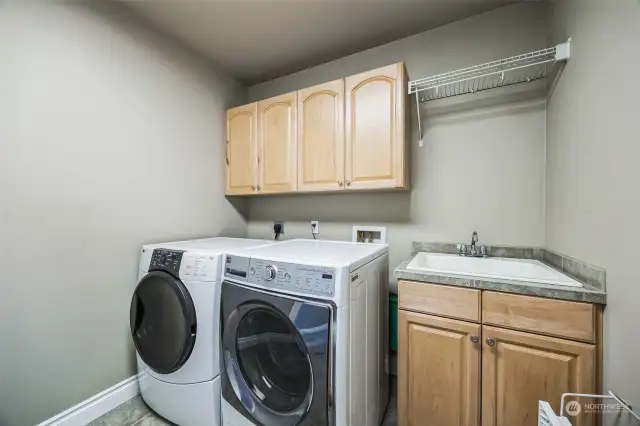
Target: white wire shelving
517,69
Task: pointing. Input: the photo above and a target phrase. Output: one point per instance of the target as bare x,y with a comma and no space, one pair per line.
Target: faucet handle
462,249
483,250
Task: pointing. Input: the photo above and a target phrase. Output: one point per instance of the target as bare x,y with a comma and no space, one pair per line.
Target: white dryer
174,318
305,335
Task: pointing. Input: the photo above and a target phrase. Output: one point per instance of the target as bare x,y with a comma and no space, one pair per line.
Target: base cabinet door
519,369
321,137
277,144
241,150
438,371
375,129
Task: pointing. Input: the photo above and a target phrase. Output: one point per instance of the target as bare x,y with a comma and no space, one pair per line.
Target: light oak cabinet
321,137
347,134
520,348
519,369
375,128
277,144
439,371
241,150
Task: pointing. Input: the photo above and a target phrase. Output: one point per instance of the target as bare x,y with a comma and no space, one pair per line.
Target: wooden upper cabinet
321,137
375,128
241,148
519,369
277,144
344,134
438,371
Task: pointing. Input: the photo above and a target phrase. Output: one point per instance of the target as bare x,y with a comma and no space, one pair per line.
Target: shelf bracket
563,50
420,143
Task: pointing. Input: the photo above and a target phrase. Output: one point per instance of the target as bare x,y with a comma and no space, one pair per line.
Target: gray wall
593,147
110,136
480,169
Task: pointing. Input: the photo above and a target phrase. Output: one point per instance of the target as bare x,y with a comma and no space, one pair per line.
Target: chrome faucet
474,240
472,251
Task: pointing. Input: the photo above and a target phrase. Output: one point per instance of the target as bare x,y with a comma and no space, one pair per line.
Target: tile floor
133,412
136,413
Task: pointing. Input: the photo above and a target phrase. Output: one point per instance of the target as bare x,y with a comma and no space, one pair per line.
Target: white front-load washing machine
304,335
174,318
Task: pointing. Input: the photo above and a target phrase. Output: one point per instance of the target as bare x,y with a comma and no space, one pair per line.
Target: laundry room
323,212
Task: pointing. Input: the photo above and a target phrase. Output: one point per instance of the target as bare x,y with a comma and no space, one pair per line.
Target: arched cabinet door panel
277,144
321,137
241,150
375,129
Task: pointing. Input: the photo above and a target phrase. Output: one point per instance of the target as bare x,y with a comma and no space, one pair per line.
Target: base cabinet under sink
519,369
457,372
438,371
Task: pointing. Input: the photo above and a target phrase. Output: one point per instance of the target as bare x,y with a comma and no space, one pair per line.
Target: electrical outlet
315,227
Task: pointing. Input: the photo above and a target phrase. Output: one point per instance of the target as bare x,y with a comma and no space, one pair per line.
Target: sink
490,267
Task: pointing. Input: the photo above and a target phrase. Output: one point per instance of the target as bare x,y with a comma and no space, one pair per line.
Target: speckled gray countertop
588,293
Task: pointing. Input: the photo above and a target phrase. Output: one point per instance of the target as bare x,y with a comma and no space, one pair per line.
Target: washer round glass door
273,359
163,322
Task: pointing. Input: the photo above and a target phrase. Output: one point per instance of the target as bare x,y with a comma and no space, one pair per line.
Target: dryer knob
270,273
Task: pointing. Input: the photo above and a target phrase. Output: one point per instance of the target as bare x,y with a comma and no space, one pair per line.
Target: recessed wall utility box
369,234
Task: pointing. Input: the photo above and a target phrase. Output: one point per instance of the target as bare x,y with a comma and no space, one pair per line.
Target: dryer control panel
166,260
297,278
200,267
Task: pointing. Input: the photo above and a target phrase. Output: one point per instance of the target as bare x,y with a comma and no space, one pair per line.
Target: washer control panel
297,278
166,260
314,280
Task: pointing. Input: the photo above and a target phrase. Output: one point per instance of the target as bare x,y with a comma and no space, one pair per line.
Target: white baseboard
96,406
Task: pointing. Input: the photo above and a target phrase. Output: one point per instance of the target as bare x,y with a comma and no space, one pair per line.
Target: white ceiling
257,40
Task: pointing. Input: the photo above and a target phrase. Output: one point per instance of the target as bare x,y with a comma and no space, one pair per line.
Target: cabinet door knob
339,183
259,188
474,339
348,183
490,341
253,187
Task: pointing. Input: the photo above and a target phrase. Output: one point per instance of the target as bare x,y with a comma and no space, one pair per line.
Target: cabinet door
321,137
375,123
439,371
519,369
241,151
277,144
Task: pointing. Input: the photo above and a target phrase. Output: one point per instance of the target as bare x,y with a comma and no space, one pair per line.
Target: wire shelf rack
484,82
517,69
